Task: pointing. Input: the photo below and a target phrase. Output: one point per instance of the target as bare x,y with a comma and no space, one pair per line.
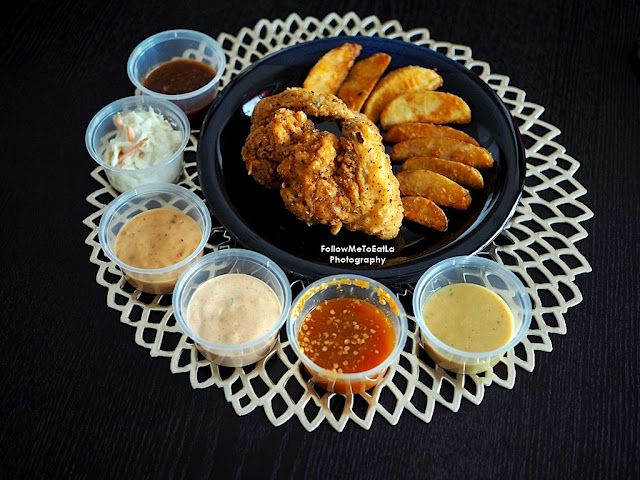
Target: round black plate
257,219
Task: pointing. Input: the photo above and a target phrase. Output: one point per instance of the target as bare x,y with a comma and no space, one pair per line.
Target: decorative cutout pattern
539,245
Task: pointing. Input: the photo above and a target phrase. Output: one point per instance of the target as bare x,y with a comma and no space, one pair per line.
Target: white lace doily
539,245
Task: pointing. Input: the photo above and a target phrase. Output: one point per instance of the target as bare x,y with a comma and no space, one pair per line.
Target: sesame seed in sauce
337,324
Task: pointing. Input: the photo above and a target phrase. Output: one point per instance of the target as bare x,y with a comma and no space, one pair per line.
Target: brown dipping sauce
179,76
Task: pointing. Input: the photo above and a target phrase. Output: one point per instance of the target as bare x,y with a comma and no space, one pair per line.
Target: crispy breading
426,107
362,78
445,148
456,171
435,187
425,212
407,131
347,183
340,182
258,150
314,104
328,73
397,82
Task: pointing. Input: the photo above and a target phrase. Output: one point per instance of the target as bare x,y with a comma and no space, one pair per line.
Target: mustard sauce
469,317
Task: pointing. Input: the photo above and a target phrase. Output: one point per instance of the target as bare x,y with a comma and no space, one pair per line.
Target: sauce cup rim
169,35
105,114
147,189
460,262
229,254
401,337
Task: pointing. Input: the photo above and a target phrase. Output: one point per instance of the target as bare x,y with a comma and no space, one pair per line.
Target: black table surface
80,399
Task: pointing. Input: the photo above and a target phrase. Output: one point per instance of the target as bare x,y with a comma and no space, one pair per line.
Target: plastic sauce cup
101,129
352,286
175,44
139,200
234,260
479,271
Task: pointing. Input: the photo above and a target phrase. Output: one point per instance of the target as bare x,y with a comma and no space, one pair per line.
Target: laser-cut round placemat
539,245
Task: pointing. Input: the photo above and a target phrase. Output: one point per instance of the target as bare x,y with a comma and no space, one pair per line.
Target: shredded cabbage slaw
144,138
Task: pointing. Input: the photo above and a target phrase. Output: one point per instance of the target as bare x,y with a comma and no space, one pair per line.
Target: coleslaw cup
101,130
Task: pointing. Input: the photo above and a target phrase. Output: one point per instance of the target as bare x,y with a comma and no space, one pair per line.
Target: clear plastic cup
174,44
101,129
478,271
139,200
352,286
221,262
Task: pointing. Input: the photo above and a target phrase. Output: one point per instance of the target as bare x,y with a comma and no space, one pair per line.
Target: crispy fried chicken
324,179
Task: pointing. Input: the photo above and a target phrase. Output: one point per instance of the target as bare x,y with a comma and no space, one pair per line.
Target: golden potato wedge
425,106
361,80
445,148
456,171
425,212
407,131
435,187
399,81
330,71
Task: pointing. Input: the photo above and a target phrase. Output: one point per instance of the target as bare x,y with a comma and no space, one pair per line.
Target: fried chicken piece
259,158
313,104
258,150
346,182
337,182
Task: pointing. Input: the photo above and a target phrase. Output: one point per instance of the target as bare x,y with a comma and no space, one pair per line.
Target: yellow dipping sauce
469,317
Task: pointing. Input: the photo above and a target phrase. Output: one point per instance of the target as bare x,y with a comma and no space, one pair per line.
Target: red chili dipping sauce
347,335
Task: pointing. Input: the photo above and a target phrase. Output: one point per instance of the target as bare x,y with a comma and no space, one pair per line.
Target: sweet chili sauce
346,335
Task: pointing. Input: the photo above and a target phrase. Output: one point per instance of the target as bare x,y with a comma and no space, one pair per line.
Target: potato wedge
435,187
456,171
401,80
425,212
445,148
361,80
332,68
425,106
407,131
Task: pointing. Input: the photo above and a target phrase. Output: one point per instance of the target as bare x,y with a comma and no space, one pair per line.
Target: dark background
81,400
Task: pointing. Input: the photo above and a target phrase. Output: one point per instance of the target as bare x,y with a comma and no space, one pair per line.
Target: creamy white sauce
232,309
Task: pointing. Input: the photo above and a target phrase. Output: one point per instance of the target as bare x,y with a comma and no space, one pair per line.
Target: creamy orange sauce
469,317
232,309
157,238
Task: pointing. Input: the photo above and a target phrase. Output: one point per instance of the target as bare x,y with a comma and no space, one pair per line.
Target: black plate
257,218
